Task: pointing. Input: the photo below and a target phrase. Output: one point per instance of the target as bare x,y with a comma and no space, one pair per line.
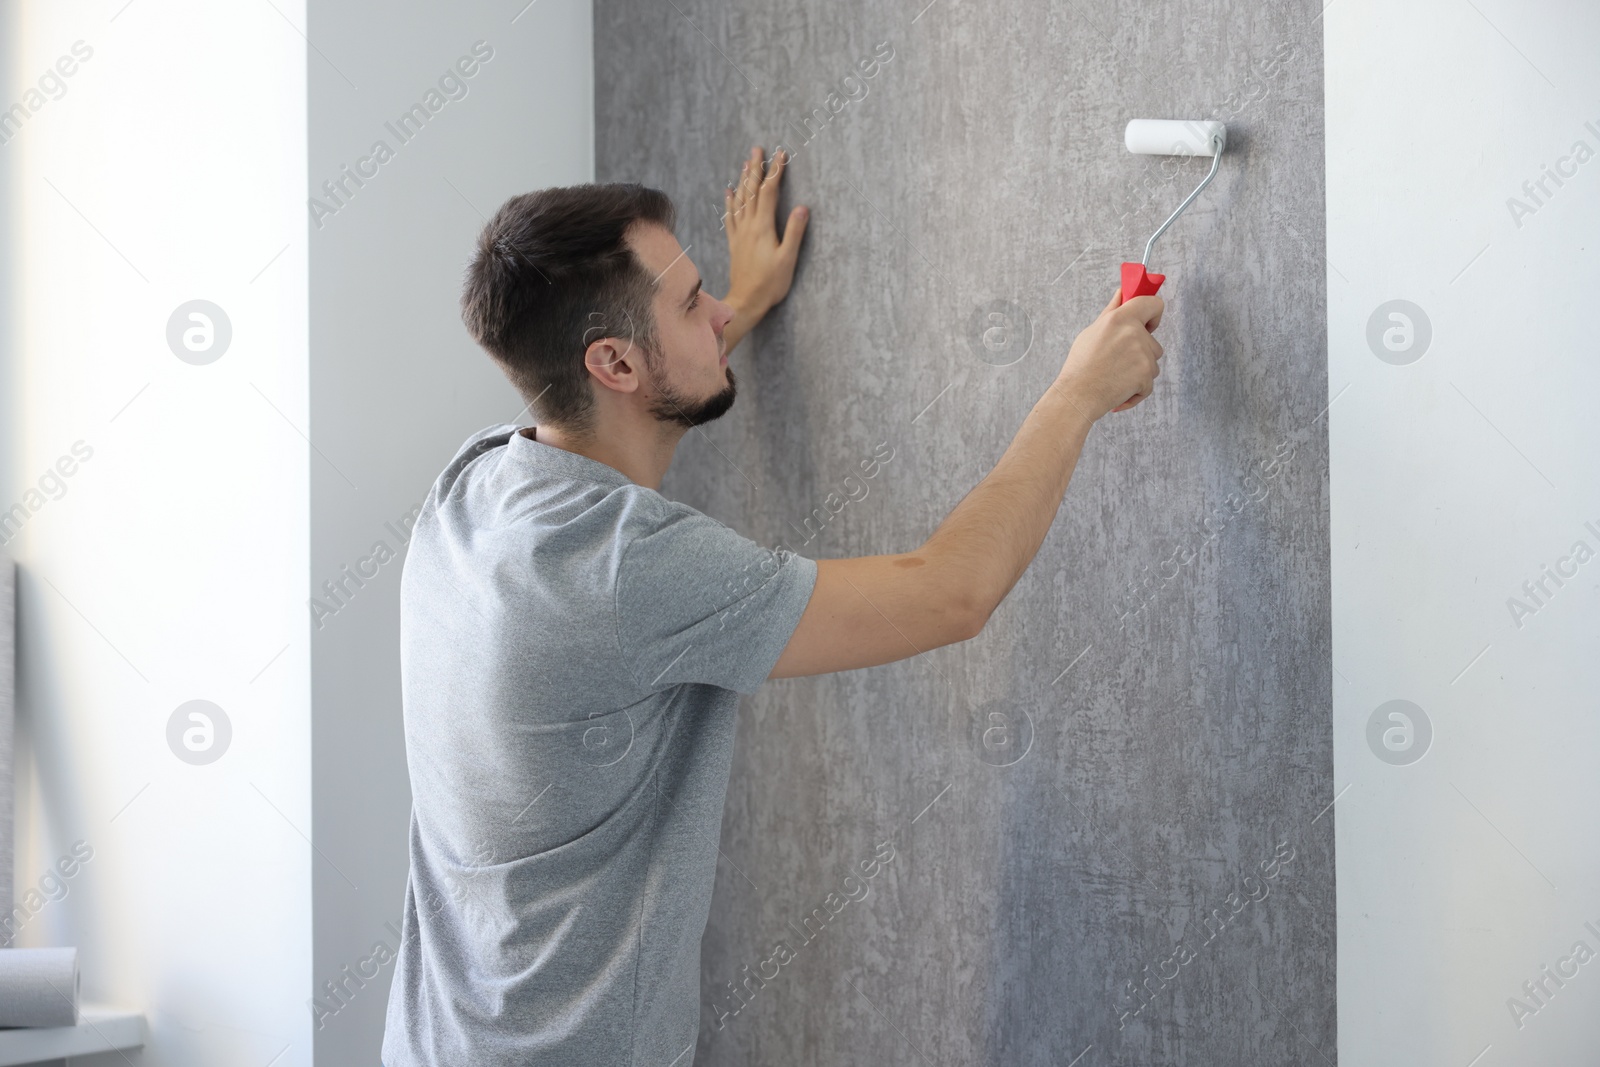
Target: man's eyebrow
692,293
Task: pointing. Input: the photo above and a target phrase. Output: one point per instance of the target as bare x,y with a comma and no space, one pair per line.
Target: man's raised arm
878,609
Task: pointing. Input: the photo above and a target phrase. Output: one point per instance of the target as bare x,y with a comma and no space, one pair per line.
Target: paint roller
1168,137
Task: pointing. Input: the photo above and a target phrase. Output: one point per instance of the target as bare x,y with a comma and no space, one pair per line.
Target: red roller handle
1136,281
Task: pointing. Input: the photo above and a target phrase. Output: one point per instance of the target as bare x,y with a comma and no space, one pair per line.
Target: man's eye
695,302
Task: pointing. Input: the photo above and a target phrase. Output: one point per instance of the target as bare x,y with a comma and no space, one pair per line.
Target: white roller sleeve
38,987
1173,137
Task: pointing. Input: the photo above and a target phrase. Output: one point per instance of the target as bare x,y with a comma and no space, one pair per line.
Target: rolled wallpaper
38,987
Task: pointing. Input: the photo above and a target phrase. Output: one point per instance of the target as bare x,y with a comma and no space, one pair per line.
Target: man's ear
614,363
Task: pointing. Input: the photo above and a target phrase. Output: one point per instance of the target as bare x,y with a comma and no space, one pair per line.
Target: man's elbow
960,606
970,616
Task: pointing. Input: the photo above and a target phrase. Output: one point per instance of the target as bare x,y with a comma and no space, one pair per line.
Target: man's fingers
750,179
1137,398
768,195
1116,301
1147,309
794,231
1132,401
743,198
737,200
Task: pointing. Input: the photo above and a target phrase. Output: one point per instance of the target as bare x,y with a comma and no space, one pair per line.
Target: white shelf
98,1030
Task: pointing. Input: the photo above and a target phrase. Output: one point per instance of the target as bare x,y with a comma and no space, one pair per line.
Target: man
573,644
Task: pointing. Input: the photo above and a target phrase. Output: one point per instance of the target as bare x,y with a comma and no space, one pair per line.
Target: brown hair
552,273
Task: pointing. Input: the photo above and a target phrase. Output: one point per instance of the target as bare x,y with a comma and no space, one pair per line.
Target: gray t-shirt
572,647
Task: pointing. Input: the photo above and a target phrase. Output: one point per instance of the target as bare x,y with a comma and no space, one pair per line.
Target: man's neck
642,456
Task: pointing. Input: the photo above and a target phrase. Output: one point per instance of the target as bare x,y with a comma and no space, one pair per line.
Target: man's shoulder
483,441
629,511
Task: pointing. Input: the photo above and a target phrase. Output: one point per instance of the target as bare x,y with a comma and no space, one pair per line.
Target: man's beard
672,406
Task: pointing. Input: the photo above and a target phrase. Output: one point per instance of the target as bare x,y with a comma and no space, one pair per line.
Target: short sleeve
698,602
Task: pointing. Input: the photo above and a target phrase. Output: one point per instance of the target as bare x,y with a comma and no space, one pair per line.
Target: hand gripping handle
1136,281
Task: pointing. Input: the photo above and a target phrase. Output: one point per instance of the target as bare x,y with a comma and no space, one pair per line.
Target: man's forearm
987,542
745,316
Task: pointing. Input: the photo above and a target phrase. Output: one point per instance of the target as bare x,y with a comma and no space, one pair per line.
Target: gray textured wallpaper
1101,832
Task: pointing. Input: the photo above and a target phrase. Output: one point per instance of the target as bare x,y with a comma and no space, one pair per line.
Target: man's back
572,647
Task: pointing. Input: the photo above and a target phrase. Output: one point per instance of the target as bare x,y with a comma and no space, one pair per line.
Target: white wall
1455,479
179,561
171,168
